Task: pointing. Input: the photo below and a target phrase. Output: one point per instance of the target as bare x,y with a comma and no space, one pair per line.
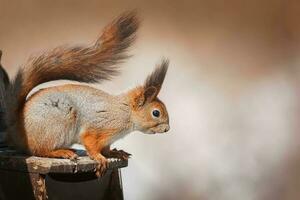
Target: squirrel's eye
155,113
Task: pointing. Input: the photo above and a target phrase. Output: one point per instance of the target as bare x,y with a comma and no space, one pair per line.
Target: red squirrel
48,122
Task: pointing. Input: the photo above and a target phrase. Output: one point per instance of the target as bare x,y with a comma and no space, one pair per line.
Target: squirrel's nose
167,128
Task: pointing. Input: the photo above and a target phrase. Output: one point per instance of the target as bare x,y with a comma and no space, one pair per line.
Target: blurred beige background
232,89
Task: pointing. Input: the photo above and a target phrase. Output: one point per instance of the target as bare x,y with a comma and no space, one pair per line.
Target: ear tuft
150,94
152,84
157,77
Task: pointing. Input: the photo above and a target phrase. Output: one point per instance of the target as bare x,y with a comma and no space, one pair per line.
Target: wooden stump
23,177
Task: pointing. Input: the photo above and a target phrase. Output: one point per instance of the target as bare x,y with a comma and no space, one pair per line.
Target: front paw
120,154
102,165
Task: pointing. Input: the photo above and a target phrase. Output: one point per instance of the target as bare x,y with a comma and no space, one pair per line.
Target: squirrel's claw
120,154
102,165
74,157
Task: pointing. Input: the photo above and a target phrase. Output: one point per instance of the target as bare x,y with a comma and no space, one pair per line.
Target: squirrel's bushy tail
83,63
4,82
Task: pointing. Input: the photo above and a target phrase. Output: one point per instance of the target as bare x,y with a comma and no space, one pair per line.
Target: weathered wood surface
10,160
38,186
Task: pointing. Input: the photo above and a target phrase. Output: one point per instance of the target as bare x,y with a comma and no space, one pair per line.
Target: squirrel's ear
0,55
146,96
156,79
153,84
150,94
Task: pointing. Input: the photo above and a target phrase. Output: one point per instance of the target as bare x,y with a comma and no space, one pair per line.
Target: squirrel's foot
63,153
119,154
102,166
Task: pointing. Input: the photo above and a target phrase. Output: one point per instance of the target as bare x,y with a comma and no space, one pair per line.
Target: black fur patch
157,77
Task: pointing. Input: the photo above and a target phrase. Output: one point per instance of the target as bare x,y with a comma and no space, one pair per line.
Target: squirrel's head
149,114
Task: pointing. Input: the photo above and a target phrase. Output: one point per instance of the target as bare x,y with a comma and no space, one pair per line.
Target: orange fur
61,153
142,108
40,150
95,141
134,95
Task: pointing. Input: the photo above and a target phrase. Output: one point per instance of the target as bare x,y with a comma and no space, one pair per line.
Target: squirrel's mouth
151,132
161,128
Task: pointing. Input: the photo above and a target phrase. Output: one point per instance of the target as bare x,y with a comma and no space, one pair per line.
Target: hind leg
50,126
62,153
